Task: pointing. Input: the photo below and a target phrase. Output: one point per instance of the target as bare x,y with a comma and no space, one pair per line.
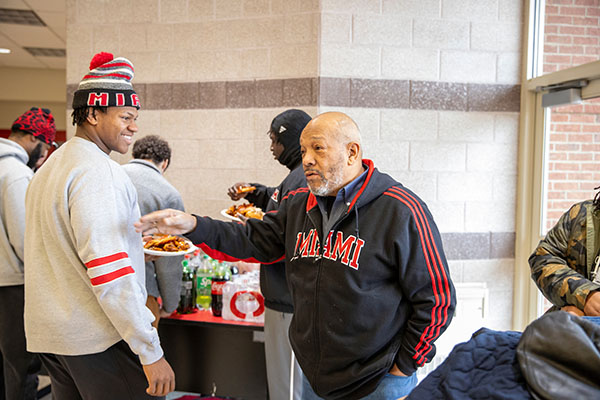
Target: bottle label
217,286
186,287
203,284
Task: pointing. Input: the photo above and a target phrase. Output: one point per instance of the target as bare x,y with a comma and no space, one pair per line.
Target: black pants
114,374
20,367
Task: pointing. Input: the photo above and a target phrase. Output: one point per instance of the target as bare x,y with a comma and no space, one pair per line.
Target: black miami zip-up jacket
374,291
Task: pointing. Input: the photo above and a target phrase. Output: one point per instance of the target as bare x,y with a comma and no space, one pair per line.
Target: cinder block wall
211,76
433,85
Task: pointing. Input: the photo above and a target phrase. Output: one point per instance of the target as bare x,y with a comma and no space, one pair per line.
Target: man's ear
92,116
32,139
164,164
353,152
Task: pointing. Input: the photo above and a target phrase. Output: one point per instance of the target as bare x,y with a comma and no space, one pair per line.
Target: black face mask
36,154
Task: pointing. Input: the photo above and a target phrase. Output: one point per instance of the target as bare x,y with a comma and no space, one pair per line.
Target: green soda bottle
203,283
187,296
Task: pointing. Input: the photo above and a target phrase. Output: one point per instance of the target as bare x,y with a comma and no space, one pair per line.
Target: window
559,148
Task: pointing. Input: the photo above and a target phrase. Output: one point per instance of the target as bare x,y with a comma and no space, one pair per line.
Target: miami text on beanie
37,121
108,84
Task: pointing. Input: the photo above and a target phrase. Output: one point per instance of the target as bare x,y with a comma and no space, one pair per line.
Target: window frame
530,179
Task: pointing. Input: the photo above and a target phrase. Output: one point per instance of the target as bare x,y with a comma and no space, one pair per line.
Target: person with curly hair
152,156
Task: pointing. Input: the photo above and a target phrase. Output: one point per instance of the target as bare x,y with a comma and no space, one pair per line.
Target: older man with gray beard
364,261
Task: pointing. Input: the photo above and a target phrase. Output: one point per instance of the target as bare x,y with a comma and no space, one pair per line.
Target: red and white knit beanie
108,84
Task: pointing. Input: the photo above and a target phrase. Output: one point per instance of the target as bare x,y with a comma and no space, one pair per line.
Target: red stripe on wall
105,260
111,276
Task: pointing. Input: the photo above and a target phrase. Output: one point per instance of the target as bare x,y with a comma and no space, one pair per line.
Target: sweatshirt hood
9,148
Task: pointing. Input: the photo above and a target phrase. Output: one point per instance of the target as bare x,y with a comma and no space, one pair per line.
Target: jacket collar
146,163
312,200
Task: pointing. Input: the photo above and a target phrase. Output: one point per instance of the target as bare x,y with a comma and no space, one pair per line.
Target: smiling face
115,128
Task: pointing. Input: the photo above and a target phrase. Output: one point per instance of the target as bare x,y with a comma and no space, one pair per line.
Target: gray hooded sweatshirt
14,179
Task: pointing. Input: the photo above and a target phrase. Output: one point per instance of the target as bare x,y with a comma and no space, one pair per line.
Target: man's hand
396,371
150,257
172,222
233,192
592,304
573,310
161,378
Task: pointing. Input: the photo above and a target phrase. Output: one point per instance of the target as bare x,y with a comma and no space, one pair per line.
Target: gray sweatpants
278,354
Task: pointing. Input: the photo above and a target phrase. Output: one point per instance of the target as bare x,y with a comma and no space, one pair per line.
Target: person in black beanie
284,133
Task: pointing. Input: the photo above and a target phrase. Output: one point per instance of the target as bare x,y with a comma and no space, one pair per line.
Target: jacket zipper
317,307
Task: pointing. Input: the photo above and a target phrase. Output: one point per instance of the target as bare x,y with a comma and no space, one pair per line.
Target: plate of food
168,245
248,210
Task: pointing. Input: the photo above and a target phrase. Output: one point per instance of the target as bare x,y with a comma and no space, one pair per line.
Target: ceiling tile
56,22
6,42
20,58
32,36
53,62
15,4
47,5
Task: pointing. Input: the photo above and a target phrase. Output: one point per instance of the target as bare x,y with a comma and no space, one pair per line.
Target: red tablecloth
206,316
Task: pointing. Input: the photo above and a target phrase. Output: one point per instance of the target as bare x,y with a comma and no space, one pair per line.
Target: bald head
331,152
339,125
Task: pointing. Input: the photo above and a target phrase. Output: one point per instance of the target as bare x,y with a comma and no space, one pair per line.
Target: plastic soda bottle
187,296
203,284
218,280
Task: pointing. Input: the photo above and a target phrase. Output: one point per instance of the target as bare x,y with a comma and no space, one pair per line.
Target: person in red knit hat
85,308
31,136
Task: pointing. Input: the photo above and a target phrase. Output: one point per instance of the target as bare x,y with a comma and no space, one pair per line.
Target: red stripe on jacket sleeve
111,276
105,260
442,278
434,265
219,255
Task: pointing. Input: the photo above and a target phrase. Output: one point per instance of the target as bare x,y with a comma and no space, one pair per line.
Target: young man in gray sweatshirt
85,295
31,136
152,156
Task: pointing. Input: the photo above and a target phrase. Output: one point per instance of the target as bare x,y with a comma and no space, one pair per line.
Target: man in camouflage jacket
564,262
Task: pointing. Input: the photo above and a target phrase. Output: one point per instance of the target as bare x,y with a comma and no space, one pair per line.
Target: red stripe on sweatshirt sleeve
111,276
105,260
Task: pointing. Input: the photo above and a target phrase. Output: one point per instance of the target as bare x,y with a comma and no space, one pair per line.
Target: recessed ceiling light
4,51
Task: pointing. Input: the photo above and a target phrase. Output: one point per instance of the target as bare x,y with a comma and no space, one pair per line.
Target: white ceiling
53,35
